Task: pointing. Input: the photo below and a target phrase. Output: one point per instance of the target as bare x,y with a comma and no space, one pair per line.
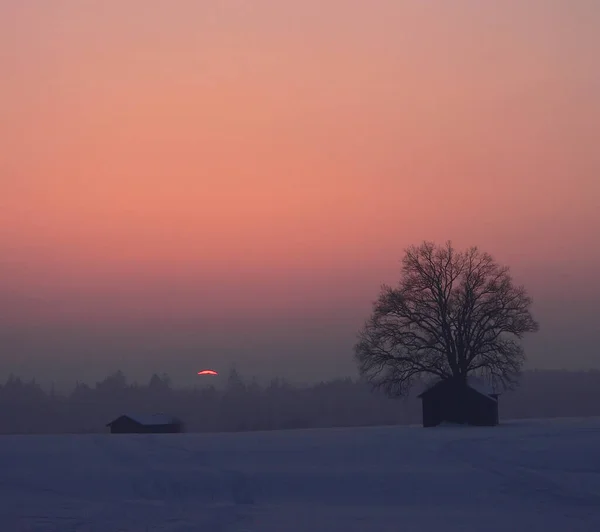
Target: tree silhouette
159,384
454,313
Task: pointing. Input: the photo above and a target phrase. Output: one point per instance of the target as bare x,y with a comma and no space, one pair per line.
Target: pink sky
251,166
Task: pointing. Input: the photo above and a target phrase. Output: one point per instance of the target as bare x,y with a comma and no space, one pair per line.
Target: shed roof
475,383
479,385
150,419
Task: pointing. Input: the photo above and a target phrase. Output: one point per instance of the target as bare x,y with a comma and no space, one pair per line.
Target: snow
519,476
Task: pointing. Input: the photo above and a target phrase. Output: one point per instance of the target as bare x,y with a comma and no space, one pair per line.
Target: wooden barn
453,402
140,424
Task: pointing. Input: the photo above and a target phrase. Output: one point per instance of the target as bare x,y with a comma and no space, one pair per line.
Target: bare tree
454,313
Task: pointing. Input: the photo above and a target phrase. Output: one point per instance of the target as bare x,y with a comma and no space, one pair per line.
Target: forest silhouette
245,405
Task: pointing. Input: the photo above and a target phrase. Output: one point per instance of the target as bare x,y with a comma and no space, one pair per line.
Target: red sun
207,372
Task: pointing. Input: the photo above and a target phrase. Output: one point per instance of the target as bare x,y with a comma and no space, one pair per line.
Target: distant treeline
245,405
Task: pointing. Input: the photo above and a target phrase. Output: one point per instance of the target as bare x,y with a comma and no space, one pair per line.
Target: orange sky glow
271,159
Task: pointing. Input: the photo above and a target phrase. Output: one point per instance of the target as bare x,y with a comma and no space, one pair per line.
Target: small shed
145,424
470,403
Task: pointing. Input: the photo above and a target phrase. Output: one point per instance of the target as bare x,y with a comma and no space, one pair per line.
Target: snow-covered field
530,476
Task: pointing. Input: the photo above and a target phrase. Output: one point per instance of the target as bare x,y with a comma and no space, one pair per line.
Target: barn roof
475,383
480,386
150,419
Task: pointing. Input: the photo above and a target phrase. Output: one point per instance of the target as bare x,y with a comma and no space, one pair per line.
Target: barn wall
483,411
432,413
457,404
125,426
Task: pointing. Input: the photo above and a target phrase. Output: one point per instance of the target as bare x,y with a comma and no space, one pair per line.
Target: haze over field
191,185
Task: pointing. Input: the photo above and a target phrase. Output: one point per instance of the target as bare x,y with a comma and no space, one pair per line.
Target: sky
199,184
